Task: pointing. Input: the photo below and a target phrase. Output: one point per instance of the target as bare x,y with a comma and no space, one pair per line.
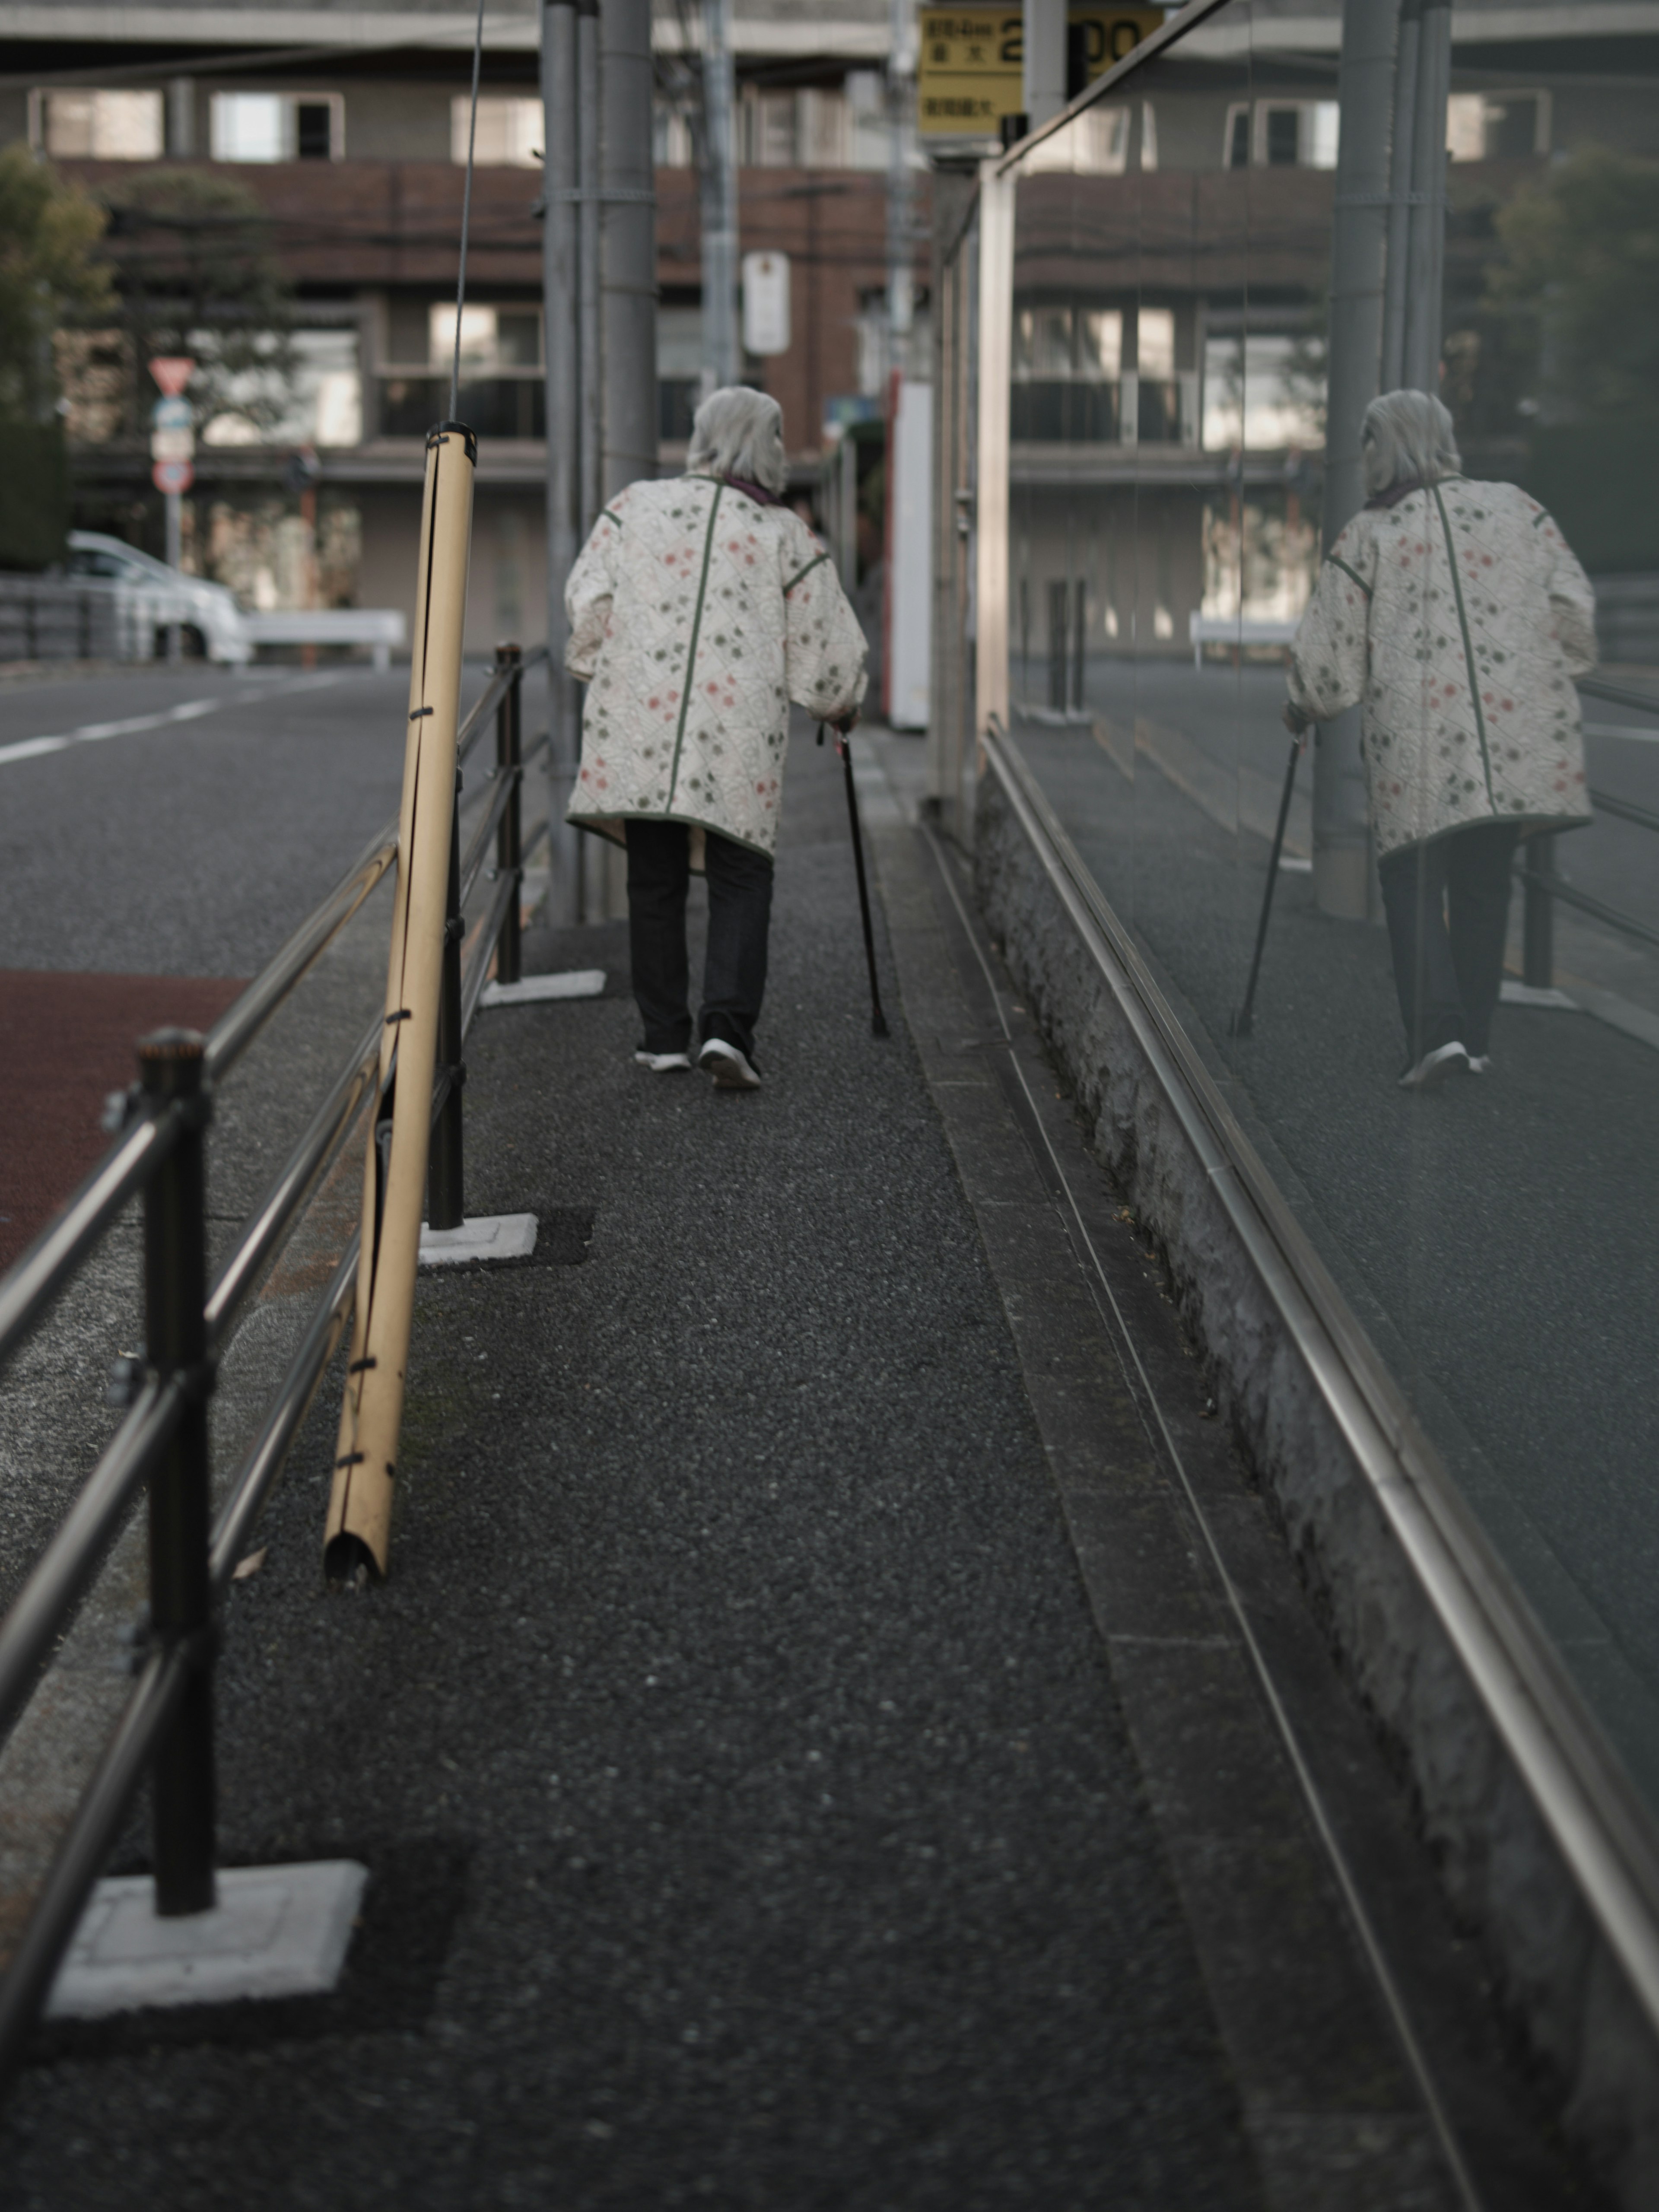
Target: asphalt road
1497,1237
186,821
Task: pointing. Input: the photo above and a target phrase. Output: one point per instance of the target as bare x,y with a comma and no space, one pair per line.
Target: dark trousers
739,917
1448,905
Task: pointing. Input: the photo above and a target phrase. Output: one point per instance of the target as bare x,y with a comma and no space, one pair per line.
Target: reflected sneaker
663,1063
1434,1067
730,1070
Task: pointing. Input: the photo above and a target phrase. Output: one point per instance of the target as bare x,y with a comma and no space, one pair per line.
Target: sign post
970,62
173,462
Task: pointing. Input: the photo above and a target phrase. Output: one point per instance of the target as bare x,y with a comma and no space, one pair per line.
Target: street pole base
487,1238
278,1931
574,983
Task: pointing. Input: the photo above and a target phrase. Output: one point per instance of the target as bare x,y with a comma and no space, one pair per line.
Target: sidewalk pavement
796,1769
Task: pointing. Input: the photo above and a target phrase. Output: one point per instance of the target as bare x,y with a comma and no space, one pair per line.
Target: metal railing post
180,1597
509,730
1538,914
445,1207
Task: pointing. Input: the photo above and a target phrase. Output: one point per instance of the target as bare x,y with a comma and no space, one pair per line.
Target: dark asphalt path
1497,1237
754,1818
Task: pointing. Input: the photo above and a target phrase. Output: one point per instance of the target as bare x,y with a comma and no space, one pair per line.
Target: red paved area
66,1041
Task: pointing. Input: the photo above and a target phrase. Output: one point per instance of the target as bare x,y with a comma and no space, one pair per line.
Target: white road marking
188,710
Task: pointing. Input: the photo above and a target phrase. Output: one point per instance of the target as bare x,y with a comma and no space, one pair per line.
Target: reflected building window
1281,134
98,126
511,129
1508,127
276,126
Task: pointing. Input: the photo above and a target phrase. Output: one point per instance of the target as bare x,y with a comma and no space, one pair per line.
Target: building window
1508,127
1265,390
278,127
1067,374
493,340
98,126
510,130
317,401
1281,134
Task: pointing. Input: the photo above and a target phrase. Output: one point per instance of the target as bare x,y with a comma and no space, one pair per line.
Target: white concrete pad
1528,994
574,983
277,1931
489,1237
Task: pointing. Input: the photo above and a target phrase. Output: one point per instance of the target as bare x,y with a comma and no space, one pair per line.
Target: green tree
1581,260
197,276
49,234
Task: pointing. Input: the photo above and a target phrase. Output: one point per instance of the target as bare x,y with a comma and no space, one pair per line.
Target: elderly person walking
699,608
1456,614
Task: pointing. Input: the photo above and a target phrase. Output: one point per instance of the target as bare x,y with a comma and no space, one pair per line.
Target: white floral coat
697,616
1464,667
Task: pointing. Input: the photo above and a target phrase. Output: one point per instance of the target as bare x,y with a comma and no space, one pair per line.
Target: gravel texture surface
751,1815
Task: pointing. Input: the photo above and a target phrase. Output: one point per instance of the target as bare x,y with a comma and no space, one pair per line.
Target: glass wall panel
1461,863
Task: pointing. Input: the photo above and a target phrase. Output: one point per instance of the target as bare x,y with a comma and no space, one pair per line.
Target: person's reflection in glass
1456,614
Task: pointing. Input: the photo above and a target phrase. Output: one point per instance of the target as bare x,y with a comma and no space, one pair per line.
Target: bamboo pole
358,1535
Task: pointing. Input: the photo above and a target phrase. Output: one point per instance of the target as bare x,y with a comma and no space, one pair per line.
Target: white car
149,597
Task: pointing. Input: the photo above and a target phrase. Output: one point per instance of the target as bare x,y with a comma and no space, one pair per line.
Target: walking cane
1243,1020
878,1019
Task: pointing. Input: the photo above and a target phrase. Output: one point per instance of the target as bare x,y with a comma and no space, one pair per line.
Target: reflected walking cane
1244,1020
878,1019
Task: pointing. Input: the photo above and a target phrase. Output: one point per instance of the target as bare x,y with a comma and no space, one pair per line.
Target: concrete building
350,130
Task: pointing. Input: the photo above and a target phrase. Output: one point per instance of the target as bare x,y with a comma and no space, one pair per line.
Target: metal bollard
181,1611
1538,914
509,955
444,1206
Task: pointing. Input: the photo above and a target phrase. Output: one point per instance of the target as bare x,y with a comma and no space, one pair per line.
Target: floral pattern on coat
696,616
1457,619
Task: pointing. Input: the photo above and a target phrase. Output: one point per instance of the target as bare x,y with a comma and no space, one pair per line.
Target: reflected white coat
1458,620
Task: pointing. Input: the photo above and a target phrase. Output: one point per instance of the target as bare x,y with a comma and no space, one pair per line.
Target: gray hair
739,432
1407,436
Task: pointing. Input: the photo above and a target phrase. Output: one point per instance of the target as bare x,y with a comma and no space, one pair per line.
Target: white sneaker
663,1063
1434,1067
730,1070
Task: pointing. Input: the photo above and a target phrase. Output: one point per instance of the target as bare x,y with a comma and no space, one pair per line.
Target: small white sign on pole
766,303
910,556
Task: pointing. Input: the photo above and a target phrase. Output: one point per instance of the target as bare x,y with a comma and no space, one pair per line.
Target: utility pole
628,255
590,126
1044,64
1342,865
1400,194
560,366
900,111
1428,206
720,361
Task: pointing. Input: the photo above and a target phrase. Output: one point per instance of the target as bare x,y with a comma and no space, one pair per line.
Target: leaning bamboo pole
358,1535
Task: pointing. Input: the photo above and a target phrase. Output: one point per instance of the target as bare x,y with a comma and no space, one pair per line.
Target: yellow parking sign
969,72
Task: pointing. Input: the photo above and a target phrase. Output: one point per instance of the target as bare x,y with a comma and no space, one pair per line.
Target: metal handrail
71,1559
314,1153
1625,809
32,1281
237,1027
166,1412
1616,695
